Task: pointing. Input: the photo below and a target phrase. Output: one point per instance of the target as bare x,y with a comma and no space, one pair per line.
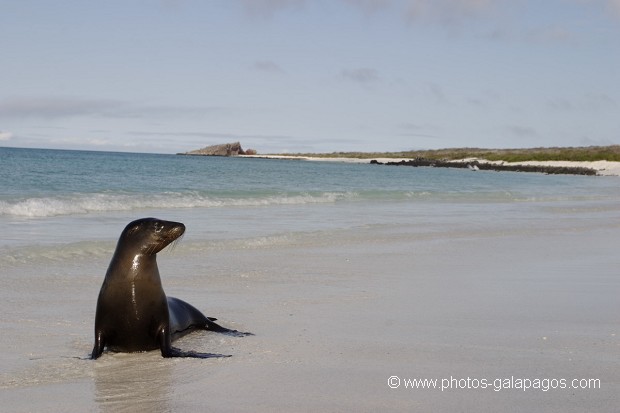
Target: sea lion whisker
174,243
151,250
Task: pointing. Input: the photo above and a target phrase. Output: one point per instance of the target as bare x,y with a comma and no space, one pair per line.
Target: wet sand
336,314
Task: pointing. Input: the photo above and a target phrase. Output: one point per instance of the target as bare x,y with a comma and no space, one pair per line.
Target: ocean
347,273
51,197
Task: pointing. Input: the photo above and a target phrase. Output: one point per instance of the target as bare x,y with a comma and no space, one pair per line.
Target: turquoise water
60,197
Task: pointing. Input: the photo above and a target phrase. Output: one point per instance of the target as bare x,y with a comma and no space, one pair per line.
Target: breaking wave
92,203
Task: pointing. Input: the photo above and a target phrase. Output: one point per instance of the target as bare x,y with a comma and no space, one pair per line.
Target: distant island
226,149
590,160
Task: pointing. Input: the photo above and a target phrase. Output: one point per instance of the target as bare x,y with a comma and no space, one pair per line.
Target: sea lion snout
169,230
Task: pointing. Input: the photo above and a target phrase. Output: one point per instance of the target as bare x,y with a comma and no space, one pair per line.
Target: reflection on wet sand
127,382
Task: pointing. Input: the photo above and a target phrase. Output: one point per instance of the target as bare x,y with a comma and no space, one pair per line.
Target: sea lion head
151,235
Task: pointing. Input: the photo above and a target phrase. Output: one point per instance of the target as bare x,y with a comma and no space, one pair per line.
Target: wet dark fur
133,312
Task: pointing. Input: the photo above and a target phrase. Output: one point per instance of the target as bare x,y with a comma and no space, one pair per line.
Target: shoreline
600,168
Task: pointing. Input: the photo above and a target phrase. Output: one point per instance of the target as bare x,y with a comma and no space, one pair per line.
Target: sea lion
133,312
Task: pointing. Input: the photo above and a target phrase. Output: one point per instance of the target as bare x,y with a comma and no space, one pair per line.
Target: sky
290,76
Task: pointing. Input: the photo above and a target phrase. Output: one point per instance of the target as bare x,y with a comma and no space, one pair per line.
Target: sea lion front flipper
98,347
167,350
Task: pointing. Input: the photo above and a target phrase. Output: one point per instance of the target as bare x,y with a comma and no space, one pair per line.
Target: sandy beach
605,168
337,314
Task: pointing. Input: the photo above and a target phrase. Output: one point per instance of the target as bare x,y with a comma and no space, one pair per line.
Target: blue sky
309,75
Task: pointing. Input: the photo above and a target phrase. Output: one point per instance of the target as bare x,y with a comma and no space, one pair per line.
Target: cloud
268,66
267,8
551,34
587,141
215,135
411,126
614,6
369,6
64,107
454,12
523,131
75,141
446,11
437,93
362,75
560,104
53,107
162,111
593,102
598,101
5,136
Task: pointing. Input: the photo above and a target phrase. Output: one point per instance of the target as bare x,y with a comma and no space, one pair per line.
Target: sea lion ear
132,230
133,227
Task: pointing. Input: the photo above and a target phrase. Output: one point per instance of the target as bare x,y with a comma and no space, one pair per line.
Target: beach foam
85,203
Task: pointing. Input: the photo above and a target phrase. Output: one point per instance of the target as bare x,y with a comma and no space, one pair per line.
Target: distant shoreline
578,153
586,160
601,167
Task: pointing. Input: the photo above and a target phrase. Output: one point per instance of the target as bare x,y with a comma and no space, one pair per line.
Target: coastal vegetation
589,154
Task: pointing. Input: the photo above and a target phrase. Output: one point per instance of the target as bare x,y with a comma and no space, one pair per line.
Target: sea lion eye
158,227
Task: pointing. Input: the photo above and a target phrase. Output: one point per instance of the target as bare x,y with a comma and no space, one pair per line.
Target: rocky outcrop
227,149
493,166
